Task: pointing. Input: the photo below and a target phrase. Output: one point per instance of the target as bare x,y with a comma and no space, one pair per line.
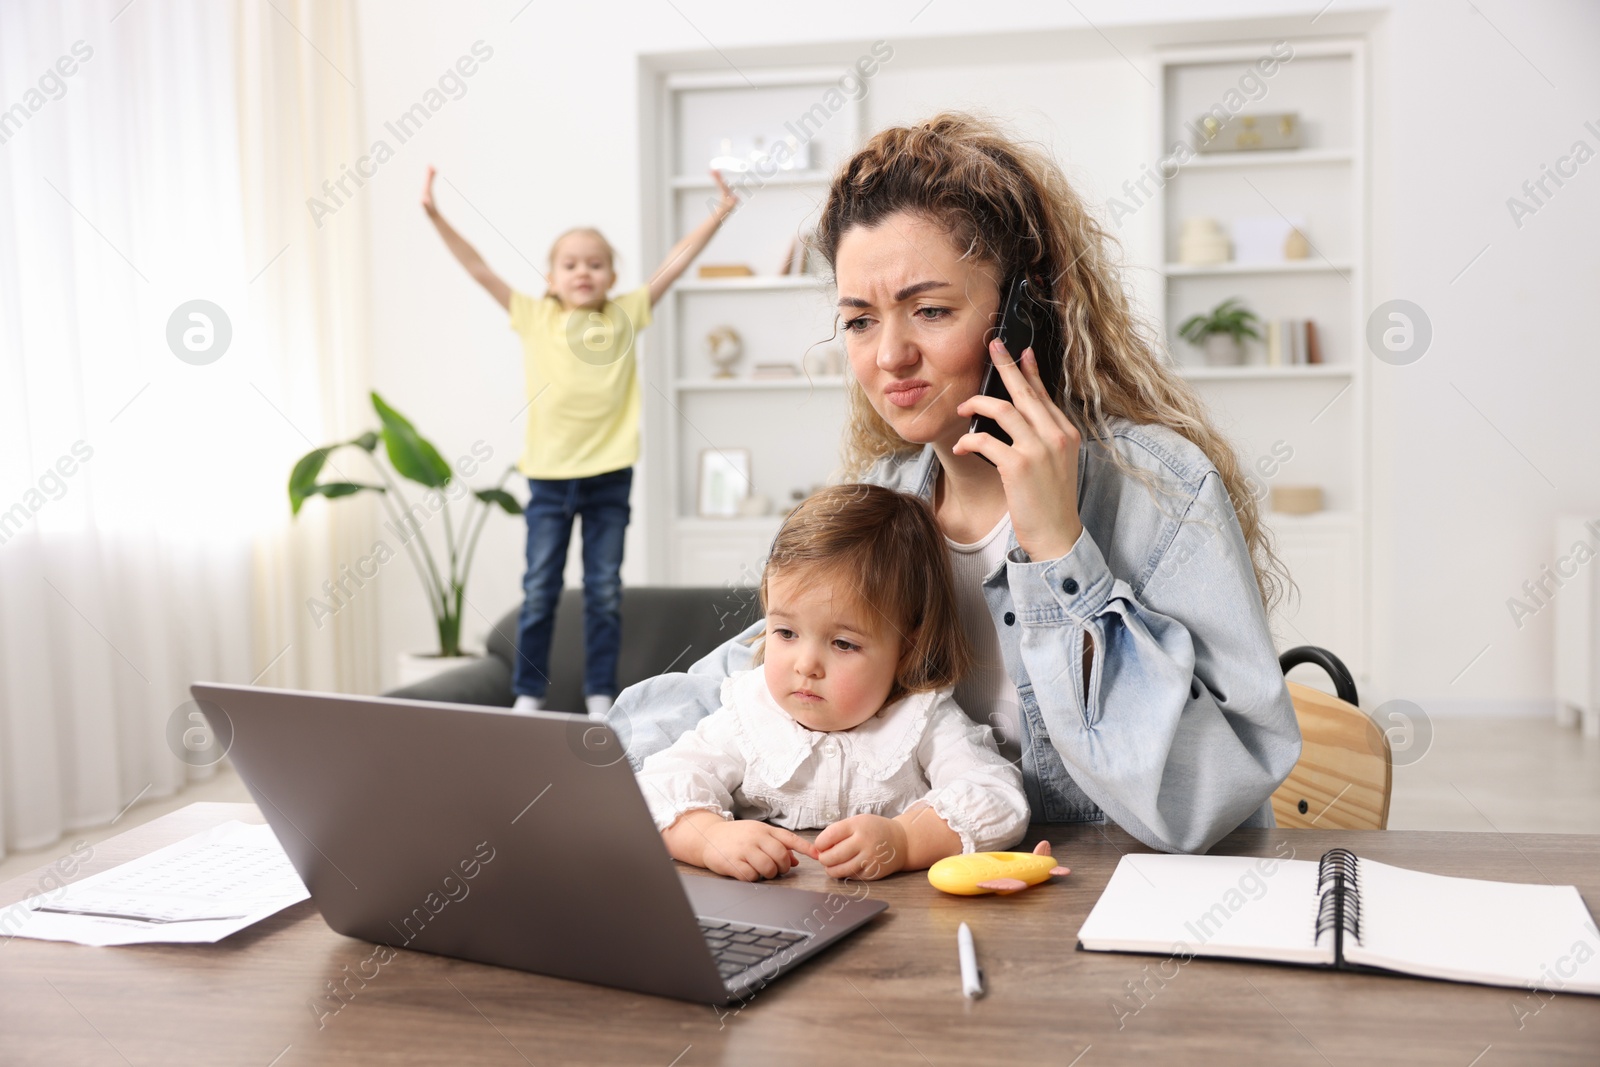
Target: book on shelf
798,259
767,372
1292,342
1349,913
725,270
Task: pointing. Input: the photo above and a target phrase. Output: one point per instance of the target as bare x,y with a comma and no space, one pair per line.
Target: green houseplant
1221,331
414,458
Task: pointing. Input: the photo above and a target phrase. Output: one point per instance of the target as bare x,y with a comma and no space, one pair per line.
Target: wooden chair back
1345,774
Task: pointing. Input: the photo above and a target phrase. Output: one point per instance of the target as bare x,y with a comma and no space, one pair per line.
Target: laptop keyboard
738,946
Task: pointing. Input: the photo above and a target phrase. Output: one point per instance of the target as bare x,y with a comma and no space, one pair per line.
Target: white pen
971,975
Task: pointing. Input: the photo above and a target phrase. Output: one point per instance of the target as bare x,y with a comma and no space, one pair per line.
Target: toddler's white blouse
751,760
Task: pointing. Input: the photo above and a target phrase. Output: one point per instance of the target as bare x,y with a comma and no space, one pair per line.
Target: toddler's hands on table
750,851
863,846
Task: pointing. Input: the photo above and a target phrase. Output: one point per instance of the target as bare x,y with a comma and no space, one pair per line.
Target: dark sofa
663,628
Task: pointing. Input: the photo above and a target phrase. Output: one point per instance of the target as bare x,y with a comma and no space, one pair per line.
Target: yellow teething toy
975,873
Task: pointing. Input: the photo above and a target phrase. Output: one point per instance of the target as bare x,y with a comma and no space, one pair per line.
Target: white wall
1463,499
1494,432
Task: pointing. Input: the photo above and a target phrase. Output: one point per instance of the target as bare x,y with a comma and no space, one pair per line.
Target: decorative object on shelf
1264,238
1297,499
725,270
723,348
1202,243
1250,133
414,458
767,372
796,498
1221,332
754,506
770,152
799,259
825,361
1292,342
724,482
1296,245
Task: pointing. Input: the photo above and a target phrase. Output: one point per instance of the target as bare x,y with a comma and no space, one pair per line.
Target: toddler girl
848,721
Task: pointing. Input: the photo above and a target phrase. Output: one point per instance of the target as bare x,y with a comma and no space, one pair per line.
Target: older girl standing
583,433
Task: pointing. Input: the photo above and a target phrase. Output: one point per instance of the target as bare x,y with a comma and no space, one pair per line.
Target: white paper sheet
196,891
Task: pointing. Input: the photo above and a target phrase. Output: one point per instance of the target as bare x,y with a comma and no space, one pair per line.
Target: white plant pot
419,666
1223,350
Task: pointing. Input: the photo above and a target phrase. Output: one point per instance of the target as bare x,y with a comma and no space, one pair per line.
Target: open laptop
517,840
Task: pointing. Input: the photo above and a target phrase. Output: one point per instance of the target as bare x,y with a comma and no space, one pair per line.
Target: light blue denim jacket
1188,727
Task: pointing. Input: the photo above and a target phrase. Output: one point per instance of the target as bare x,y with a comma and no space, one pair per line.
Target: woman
1115,576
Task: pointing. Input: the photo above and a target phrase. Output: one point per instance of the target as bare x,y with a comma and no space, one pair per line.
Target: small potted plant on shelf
1221,332
415,459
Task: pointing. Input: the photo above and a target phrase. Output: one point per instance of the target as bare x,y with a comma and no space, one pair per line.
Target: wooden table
889,994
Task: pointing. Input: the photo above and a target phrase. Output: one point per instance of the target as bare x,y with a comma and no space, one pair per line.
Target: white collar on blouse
778,745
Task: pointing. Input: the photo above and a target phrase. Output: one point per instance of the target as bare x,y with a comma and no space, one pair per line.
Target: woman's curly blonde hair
1010,206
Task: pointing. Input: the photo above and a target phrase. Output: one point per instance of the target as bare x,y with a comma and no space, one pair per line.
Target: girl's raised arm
684,251
465,254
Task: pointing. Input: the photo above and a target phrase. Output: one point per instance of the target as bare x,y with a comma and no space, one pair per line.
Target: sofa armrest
664,628
486,681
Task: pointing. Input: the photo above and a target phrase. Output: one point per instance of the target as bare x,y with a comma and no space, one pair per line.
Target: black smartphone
1026,321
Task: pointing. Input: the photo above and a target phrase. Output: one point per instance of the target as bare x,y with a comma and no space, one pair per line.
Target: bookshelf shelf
1297,158
782,177
788,429
748,283
739,385
1278,410
1298,266
1280,373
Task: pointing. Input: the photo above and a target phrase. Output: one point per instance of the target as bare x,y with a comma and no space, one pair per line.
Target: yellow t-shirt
583,384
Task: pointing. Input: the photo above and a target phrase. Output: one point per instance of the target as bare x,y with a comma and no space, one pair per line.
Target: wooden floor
1505,775
1511,775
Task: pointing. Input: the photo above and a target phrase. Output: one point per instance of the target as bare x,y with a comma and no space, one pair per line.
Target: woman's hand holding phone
1039,468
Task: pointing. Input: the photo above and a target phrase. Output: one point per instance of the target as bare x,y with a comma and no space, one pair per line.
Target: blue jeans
601,501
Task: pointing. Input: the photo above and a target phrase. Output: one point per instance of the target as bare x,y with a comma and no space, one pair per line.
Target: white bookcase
790,427
1318,410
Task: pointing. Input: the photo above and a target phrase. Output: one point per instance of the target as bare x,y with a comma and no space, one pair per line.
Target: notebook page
1467,930
1247,907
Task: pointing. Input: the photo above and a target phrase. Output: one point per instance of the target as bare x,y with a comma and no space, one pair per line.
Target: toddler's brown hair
892,557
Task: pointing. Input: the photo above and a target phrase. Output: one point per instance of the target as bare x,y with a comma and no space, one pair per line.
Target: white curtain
154,155
300,125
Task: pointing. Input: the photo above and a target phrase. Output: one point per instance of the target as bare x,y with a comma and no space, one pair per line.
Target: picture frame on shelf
724,482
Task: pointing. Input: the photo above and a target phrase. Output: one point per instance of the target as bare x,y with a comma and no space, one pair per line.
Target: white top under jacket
751,760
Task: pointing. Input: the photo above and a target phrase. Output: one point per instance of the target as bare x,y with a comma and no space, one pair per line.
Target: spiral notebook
1349,913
